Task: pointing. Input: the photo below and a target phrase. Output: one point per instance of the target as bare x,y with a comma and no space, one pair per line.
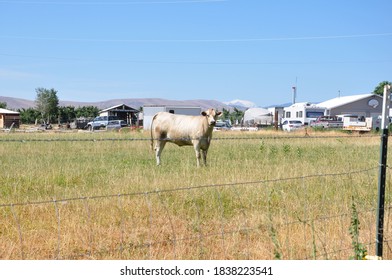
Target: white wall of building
150,111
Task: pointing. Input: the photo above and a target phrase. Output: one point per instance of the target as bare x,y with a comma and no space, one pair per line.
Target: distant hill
18,103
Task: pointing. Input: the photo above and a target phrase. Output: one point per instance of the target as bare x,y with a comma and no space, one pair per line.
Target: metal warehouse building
366,105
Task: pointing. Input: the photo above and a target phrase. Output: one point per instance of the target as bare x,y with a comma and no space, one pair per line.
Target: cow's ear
204,113
219,113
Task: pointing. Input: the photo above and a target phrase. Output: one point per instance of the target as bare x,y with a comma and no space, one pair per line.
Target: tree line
47,109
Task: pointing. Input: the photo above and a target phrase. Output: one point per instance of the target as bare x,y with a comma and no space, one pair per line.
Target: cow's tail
151,129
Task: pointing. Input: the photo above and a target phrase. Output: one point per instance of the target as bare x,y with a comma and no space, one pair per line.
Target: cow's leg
159,145
204,153
196,146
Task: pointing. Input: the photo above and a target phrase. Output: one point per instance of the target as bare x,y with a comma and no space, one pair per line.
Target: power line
188,62
227,40
111,3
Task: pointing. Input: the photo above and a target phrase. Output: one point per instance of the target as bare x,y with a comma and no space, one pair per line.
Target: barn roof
6,111
343,100
120,107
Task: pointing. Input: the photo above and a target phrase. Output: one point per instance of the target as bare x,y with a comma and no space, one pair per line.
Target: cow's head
211,115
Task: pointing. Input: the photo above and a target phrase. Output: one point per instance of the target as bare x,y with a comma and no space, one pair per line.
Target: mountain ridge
14,103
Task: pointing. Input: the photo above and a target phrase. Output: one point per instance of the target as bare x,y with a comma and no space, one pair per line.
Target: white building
150,110
305,112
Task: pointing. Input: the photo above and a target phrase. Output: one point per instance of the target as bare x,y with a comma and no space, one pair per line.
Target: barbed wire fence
126,138
263,219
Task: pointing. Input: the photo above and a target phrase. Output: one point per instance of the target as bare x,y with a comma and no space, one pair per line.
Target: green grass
123,206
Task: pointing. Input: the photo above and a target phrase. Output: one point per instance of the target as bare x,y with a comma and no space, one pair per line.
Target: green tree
233,116
66,114
225,114
86,112
29,116
3,105
47,103
380,88
236,115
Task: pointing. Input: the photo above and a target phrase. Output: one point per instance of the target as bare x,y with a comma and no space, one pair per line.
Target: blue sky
94,50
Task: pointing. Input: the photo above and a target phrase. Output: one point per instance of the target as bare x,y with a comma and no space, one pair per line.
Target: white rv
304,112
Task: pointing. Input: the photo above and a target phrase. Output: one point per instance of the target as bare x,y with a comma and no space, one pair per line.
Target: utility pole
294,93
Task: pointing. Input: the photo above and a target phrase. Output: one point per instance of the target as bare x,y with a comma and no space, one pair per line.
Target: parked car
222,125
290,125
117,124
100,122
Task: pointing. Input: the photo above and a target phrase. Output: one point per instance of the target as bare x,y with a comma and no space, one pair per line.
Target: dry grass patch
264,195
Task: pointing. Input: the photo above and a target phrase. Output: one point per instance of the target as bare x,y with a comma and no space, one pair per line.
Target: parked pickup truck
327,122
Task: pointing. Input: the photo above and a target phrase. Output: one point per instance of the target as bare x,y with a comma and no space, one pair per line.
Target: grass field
264,195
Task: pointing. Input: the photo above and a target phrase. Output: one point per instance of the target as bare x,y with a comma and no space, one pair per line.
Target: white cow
183,130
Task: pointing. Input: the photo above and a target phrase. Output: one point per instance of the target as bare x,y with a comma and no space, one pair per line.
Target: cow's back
178,127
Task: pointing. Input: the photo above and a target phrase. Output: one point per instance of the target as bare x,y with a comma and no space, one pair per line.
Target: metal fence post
382,170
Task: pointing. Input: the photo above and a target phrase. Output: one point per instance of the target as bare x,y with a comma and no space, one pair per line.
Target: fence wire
137,139
158,233
188,188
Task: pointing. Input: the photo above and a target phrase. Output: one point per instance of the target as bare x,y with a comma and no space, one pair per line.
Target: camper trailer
361,123
304,112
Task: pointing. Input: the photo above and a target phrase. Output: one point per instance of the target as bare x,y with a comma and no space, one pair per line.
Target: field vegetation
263,195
